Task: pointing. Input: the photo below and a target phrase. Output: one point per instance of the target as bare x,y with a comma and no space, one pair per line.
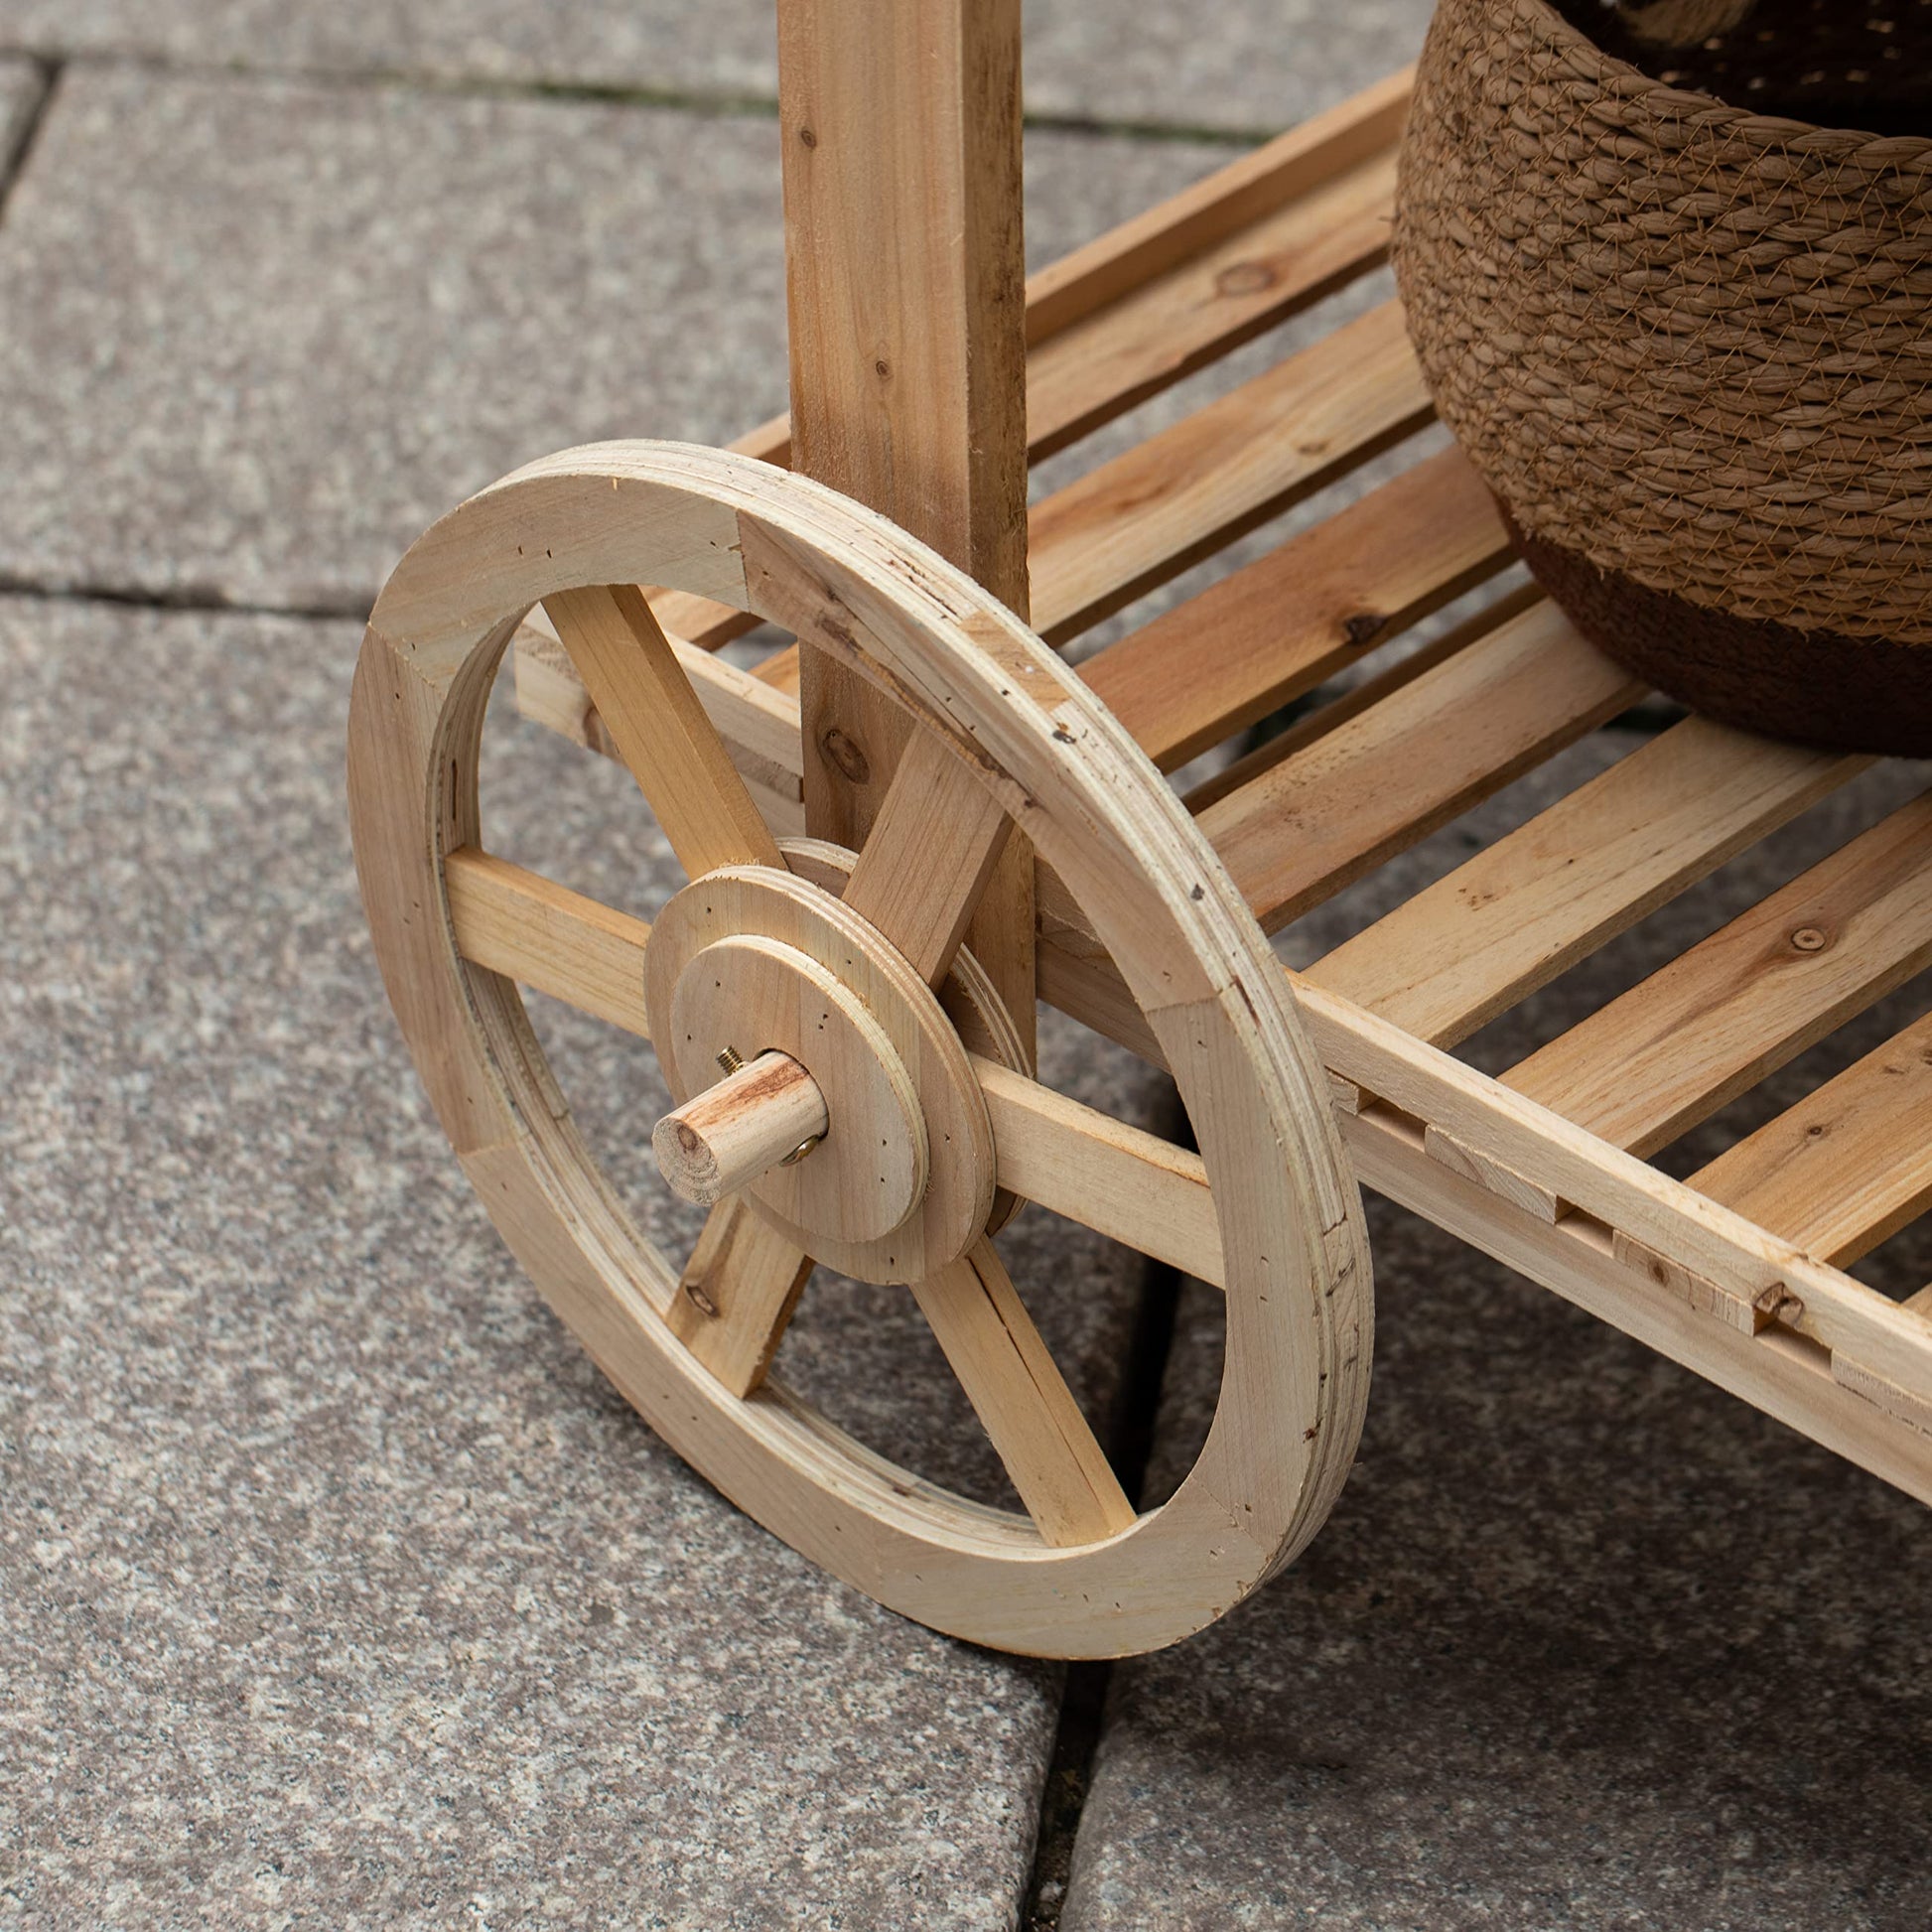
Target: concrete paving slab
21,84
1246,65
341,1589
1587,1643
254,337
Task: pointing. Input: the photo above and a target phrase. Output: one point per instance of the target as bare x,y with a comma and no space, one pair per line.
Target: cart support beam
905,282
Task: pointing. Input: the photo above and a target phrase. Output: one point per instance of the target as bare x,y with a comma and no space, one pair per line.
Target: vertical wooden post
905,284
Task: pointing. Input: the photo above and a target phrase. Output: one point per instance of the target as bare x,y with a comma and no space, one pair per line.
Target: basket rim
1771,133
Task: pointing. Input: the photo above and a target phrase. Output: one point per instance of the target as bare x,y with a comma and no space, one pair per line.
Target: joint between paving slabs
723,102
1130,1440
20,150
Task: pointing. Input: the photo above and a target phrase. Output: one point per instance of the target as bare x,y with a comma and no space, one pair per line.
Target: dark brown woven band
1686,344
1816,687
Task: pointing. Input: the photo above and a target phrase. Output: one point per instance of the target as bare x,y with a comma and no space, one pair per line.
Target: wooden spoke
757,721
1846,1168
736,1294
1075,1161
928,856
1019,1394
1119,1180
660,729
543,935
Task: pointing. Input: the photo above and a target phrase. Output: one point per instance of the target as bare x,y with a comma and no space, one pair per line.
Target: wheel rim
1096,811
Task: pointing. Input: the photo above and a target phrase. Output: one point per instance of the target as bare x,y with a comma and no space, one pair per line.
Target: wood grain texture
736,1296
1513,916
1846,1166
660,729
530,930
1209,303
1314,605
1146,514
1713,1023
1116,1178
725,1138
904,278
1019,1394
925,864
1305,828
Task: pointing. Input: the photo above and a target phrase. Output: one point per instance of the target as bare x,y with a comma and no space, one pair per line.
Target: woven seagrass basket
1685,334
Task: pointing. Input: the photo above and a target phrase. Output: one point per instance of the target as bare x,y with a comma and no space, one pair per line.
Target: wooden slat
1300,832
1227,294
543,935
1144,517
1714,1022
1273,631
1019,1394
1843,1169
660,728
1791,1379
1515,916
1626,1196
1150,512
1289,620
1369,692
1218,205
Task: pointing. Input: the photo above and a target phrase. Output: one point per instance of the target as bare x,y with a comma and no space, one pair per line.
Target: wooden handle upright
768,1111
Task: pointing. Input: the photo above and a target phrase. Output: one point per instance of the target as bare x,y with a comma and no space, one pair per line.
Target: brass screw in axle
768,1112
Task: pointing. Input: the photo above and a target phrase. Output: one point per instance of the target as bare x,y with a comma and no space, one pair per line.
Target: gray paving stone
1587,1643
19,87
1244,65
312,319
341,1589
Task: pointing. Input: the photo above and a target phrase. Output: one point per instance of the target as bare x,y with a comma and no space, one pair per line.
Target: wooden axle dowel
768,1111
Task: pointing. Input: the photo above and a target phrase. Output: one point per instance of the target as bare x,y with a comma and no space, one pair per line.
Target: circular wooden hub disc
752,958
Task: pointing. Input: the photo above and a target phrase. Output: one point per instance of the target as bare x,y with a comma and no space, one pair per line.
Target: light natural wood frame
1296,1267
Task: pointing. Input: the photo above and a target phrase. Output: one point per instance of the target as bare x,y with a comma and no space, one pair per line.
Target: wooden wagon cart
908,826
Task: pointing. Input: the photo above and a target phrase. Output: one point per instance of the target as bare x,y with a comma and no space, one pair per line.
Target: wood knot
807,137
1809,938
1244,278
1363,628
700,1301
847,754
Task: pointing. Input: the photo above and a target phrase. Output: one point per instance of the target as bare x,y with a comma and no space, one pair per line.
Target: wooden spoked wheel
925,1127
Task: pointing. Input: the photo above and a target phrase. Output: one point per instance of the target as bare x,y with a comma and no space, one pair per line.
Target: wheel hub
749,959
